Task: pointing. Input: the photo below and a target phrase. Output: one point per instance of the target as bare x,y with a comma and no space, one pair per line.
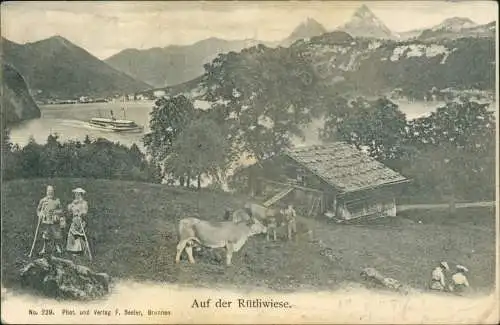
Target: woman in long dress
76,241
76,236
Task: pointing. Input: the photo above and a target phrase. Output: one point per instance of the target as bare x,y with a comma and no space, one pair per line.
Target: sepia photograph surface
249,162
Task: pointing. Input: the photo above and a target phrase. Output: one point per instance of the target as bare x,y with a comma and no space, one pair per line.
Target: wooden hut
336,180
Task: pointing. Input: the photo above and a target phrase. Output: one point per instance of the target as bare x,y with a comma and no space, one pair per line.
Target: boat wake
67,129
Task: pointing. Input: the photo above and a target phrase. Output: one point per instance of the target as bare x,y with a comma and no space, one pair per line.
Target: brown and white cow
226,234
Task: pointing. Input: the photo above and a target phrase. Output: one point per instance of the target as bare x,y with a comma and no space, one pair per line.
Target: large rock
16,100
62,278
375,277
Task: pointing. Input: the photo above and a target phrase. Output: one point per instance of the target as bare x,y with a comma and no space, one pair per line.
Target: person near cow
228,214
272,225
438,278
459,282
76,240
50,220
248,209
290,219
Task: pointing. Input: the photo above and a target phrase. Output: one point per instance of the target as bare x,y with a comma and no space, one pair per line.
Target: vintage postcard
249,162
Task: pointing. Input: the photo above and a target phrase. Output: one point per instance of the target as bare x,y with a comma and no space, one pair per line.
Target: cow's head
256,227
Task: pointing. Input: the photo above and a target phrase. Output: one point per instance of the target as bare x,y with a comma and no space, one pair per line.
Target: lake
69,121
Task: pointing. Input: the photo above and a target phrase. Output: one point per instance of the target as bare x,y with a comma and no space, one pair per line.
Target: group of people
457,283
52,222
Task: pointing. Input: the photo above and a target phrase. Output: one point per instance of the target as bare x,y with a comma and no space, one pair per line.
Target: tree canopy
200,149
97,158
377,125
449,152
258,95
167,119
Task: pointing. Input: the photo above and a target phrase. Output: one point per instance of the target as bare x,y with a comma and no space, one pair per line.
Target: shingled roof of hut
344,167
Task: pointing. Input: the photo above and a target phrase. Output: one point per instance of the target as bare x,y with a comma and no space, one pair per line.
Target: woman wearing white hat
459,282
438,282
79,206
76,235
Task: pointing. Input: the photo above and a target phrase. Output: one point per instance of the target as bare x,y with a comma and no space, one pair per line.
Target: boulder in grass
61,278
373,276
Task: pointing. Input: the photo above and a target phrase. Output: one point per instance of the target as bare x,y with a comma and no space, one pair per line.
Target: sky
105,28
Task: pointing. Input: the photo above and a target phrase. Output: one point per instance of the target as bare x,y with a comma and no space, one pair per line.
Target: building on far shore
159,93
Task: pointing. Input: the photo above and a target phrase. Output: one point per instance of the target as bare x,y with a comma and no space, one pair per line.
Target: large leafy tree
455,150
462,123
377,126
200,149
167,120
264,95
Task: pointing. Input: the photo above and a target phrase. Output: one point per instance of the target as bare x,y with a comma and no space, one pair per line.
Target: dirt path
445,205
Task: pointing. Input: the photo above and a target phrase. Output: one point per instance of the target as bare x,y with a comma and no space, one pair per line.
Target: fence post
451,205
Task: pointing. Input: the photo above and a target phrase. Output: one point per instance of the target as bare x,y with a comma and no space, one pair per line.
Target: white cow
226,234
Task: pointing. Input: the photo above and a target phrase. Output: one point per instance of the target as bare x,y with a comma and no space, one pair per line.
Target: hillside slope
57,68
360,66
136,240
17,103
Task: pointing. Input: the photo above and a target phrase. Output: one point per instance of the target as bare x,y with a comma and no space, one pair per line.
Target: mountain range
454,31
57,68
173,65
351,66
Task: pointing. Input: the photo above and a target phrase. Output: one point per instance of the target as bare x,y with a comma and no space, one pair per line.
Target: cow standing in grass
227,234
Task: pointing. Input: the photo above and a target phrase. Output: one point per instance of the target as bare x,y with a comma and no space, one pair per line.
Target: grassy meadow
133,235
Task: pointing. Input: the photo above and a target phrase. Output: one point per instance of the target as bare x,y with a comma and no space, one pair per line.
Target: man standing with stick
50,221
